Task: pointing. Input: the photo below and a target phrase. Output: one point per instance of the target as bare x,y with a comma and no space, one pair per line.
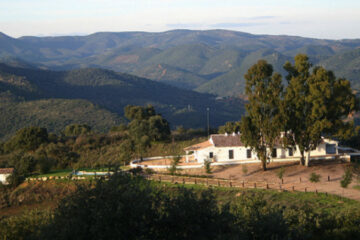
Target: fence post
305,189
219,183
230,183
243,184
207,182
300,179
195,181
183,180
293,188
255,185
282,181
267,186
172,179
159,178
328,178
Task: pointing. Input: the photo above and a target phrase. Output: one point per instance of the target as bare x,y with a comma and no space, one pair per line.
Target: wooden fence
217,182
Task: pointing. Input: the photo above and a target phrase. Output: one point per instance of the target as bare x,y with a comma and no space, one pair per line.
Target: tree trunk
307,160
302,158
263,162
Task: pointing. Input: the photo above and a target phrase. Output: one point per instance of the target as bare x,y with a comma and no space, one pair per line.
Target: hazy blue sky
332,19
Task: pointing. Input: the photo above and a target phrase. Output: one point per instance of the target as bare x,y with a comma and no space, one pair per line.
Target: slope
53,114
113,91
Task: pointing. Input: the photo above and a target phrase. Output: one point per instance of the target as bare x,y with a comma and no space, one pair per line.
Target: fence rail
217,182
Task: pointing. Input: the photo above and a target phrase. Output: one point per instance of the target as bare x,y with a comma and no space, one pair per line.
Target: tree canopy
315,105
29,138
261,125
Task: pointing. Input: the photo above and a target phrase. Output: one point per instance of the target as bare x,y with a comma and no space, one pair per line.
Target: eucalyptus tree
315,104
261,126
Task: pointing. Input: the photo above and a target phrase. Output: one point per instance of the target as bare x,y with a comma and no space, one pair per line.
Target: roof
199,146
223,140
6,170
228,140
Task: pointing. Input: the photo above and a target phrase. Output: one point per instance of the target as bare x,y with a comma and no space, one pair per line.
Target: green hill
233,82
103,93
211,61
54,114
345,65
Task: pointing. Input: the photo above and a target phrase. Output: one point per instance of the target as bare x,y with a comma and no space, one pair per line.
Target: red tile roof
231,140
6,170
198,146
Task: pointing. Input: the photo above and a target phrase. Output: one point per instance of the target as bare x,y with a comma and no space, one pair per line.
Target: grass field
320,202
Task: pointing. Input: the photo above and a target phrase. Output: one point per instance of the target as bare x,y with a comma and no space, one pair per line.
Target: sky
329,19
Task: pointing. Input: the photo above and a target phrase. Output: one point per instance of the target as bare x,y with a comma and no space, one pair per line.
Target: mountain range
212,61
54,99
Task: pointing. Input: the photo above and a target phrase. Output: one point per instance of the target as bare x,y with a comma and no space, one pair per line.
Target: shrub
136,171
207,165
346,178
314,178
280,173
244,169
149,171
174,163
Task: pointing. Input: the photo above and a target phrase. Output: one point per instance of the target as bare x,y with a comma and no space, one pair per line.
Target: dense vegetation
312,105
34,150
133,208
51,99
213,61
53,114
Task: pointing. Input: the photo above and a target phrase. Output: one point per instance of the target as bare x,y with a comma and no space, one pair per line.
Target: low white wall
135,163
3,178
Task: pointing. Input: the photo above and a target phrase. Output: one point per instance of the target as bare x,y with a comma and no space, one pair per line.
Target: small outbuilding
4,174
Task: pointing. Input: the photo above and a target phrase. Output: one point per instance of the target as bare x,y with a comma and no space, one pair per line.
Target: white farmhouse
229,148
4,173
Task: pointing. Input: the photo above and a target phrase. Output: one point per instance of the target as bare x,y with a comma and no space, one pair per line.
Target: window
273,153
248,153
330,148
211,154
231,154
291,153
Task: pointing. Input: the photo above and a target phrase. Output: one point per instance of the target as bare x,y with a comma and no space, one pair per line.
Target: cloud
237,24
262,17
184,25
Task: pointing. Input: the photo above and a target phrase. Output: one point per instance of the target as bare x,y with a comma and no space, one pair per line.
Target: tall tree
316,104
28,139
262,123
146,126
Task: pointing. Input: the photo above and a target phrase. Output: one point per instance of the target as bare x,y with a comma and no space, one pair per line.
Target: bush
346,178
149,171
314,178
280,173
26,226
127,207
174,163
136,171
244,169
207,165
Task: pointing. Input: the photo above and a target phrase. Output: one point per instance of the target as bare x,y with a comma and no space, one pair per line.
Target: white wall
3,178
221,154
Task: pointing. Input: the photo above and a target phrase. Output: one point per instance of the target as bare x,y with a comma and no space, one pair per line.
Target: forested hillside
212,61
97,97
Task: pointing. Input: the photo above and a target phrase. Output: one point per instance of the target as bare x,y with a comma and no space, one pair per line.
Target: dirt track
293,173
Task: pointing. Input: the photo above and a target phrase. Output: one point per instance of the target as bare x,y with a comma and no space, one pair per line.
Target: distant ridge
209,61
97,97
